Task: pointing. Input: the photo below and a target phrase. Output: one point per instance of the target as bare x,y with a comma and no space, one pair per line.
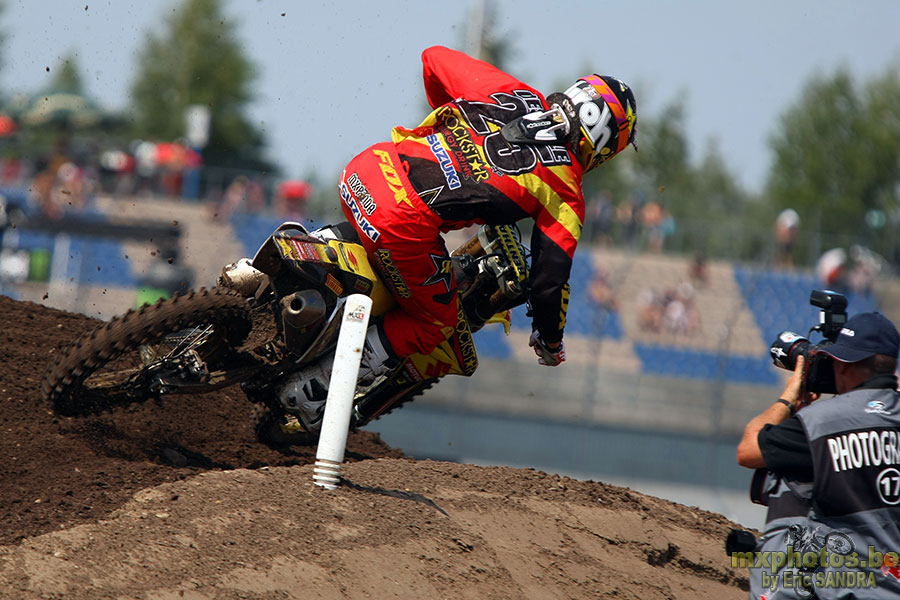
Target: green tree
53,118
837,155
199,60
4,98
67,77
719,218
701,198
664,160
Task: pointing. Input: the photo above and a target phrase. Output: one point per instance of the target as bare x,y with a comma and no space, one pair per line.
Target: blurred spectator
256,195
852,273
72,185
235,198
651,221
601,215
672,311
41,191
164,162
831,269
602,298
666,229
601,291
172,158
787,225
59,186
651,308
698,272
628,218
657,223
13,171
867,266
117,172
681,315
290,199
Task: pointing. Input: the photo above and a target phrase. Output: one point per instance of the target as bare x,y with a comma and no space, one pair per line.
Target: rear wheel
178,345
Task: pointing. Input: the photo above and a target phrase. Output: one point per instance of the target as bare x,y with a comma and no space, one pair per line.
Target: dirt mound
176,499
62,471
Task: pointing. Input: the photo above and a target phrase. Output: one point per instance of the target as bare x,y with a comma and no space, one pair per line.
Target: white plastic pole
341,390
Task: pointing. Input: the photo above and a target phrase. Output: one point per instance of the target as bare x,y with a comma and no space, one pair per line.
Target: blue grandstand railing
666,361
779,300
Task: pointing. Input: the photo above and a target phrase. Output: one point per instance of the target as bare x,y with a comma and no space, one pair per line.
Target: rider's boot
307,390
378,356
242,277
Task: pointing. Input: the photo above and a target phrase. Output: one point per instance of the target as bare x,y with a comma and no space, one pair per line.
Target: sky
335,77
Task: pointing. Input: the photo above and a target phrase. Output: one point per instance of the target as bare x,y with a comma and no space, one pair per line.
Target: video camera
818,374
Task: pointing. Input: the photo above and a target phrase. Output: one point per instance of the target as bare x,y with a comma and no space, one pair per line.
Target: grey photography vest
854,522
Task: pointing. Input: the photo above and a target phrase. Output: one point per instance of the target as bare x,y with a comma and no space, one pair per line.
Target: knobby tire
224,309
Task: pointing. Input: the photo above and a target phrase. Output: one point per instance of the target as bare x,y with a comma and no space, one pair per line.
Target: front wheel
164,348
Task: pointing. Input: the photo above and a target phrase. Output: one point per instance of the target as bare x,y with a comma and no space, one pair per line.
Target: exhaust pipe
302,314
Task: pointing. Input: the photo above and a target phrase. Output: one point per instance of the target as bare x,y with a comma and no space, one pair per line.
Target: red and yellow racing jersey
466,172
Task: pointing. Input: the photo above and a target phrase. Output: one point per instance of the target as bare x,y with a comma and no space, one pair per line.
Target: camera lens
787,347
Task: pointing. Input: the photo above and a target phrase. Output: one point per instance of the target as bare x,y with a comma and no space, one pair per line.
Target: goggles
547,127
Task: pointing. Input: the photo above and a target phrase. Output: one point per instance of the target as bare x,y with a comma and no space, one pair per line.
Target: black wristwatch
788,404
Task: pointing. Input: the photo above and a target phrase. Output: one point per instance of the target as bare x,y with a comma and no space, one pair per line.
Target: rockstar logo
443,271
630,116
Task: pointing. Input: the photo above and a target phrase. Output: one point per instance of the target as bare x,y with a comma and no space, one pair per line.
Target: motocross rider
494,150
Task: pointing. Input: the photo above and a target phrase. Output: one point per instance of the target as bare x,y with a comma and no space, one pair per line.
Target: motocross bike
807,540
271,318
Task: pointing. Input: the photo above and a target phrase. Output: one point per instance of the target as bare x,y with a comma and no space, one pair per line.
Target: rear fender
336,265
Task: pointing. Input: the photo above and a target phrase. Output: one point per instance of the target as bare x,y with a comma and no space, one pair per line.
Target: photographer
847,448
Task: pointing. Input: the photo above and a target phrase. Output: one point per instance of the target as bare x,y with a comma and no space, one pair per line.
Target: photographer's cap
865,335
